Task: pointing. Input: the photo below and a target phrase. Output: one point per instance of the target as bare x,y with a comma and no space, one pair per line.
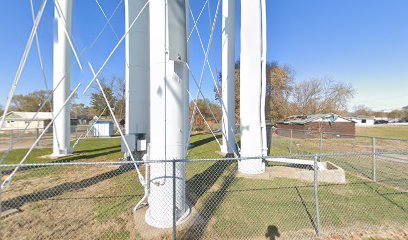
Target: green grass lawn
91,202
384,131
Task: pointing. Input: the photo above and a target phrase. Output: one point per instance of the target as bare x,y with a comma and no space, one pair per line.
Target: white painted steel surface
167,124
228,76
61,127
137,68
263,73
250,89
102,129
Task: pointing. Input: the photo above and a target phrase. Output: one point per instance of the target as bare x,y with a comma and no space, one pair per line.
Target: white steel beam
250,89
263,87
167,116
61,127
138,70
186,77
228,76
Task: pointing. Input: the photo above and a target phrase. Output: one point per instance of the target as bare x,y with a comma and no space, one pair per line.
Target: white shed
102,129
363,121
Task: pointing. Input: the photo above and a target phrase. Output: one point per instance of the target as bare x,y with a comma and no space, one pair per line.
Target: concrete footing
331,174
146,231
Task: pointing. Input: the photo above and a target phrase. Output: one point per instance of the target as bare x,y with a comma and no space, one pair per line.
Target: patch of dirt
381,232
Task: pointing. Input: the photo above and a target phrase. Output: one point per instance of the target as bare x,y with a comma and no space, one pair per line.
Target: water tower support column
250,89
168,54
62,52
228,76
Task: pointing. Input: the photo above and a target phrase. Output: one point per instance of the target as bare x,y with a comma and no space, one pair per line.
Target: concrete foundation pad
9,212
222,154
54,157
332,173
145,231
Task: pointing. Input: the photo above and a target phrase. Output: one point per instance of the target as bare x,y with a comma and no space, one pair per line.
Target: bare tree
321,96
120,91
98,102
362,110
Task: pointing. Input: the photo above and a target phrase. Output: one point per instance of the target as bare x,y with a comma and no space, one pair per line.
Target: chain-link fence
294,141
20,138
350,195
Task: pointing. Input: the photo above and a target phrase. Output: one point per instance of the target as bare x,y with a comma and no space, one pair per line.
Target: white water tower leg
228,76
62,52
137,69
250,89
167,116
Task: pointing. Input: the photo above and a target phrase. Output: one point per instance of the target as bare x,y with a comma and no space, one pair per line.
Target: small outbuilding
102,129
362,121
310,125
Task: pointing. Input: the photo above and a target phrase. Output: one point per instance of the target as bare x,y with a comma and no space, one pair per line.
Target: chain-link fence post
174,200
11,138
374,167
316,196
37,134
271,141
291,138
321,143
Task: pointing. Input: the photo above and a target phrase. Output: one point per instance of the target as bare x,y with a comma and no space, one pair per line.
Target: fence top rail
267,158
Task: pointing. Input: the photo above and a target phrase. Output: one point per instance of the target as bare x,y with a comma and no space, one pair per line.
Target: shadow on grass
272,232
203,141
97,149
308,212
64,160
201,184
18,202
385,196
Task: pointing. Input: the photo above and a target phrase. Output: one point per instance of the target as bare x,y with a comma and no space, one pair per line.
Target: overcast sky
363,42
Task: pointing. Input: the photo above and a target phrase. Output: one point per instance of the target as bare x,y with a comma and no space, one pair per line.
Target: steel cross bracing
9,178
108,21
23,61
37,41
141,179
199,92
47,100
210,41
103,28
116,47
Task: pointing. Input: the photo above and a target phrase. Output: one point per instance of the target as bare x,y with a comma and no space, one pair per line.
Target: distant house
80,120
363,120
19,120
311,125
